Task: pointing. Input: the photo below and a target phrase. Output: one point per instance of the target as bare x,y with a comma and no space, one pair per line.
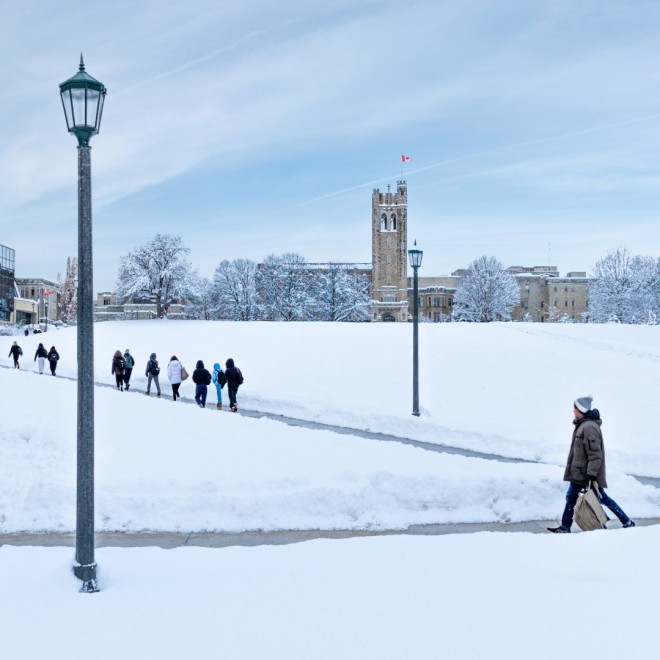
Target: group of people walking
122,368
41,355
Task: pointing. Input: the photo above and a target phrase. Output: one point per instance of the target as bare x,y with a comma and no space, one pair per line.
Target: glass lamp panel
78,102
92,107
66,102
100,112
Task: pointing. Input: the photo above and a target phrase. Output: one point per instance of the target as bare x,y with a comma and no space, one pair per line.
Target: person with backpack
586,465
202,378
118,368
234,378
53,357
151,373
41,353
15,351
219,380
174,373
129,363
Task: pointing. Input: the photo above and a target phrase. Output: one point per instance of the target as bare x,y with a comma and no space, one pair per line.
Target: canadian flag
405,159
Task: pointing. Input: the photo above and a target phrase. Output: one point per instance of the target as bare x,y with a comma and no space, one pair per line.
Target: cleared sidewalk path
169,540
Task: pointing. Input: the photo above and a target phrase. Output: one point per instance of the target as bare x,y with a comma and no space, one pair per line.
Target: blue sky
258,127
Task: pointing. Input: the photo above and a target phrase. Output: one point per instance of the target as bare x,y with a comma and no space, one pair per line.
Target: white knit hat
583,404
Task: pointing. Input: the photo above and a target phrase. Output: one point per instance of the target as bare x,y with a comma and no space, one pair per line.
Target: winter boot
147,392
127,386
158,395
218,406
630,523
559,530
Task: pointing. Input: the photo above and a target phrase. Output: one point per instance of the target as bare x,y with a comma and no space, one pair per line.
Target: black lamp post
82,99
415,257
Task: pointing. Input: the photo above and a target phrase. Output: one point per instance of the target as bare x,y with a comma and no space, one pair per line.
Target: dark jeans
127,376
53,366
232,395
175,391
200,394
120,381
572,497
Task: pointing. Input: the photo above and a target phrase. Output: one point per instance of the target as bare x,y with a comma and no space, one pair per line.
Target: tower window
393,218
389,241
389,258
383,222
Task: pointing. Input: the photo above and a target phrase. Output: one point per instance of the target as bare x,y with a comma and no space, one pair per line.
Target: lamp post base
87,573
416,414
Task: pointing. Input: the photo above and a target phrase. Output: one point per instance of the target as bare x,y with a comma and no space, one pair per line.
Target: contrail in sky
484,153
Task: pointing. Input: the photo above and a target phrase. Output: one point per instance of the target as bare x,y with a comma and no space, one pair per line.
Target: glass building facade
7,265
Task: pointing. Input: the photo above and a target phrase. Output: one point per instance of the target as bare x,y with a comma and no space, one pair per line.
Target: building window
565,303
565,288
393,218
572,303
389,279
383,222
523,304
389,258
555,289
450,301
420,302
106,301
389,241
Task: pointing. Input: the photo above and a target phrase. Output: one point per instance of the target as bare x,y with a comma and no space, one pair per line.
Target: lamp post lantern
415,257
82,99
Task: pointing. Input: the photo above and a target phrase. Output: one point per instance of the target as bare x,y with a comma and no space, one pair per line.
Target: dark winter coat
152,366
201,376
233,375
53,355
15,352
41,352
586,458
118,365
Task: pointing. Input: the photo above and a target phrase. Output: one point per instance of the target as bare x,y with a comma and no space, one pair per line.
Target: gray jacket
586,459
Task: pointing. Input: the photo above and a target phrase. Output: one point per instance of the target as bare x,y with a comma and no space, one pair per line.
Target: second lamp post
415,257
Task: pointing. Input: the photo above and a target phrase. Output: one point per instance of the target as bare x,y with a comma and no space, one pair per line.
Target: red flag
405,159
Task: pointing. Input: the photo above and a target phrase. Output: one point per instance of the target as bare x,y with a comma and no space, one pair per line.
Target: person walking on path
129,363
234,378
219,381
202,378
53,357
151,373
586,463
41,354
15,351
118,368
174,369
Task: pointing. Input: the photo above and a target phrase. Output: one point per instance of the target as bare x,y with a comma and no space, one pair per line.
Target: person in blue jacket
219,381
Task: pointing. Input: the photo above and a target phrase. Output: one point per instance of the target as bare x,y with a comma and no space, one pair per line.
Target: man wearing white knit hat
586,464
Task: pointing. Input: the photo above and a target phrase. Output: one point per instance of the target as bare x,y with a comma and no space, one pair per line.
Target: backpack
154,369
220,378
53,357
20,351
240,376
121,364
129,361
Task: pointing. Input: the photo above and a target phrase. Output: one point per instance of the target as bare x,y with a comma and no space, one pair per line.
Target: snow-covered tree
626,288
235,290
160,269
486,292
202,303
69,292
340,293
284,287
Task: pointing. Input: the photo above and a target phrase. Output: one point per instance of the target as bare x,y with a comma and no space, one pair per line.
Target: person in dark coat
234,378
151,373
118,368
41,353
586,465
53,357
129,363
15,351
202,378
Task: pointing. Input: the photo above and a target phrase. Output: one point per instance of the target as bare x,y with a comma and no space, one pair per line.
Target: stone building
44,295
389,254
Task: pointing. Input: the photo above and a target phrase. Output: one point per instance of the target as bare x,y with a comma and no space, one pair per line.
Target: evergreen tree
69,292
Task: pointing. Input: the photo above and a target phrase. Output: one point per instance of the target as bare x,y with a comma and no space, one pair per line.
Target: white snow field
500,388
169,466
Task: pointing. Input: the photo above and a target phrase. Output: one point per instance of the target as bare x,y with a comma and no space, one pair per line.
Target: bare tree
235,290
160,268
486,292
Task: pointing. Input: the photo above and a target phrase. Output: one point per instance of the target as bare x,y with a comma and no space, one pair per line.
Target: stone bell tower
389,254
